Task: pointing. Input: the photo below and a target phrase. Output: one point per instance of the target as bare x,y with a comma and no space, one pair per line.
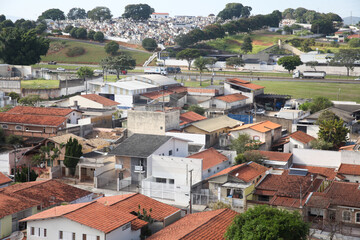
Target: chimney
76,105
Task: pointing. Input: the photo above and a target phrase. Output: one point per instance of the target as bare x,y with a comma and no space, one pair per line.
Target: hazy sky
31,9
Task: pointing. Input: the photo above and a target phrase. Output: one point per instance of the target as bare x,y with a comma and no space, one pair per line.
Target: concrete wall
10,86
104,175
193,138
5,226
318,158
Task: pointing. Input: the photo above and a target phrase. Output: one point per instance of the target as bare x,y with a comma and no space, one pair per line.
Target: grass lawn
348,92
40,84
93,54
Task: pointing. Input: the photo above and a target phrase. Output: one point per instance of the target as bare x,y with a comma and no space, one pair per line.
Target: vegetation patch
75,51
40,84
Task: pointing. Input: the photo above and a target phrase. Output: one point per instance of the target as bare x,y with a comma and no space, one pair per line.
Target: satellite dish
17,236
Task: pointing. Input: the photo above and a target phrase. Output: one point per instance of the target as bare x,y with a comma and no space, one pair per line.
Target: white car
61,69
44,69
98,71
357,78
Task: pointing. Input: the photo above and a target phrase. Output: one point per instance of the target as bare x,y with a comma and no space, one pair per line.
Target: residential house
152,122
190,117
331,174
246,88
337,209
5,100
159,15
351,172
134,156
265,132
198,95
4,180
298,139
213,128
202,225
114,217
234,185
25,199
288,190
224,104
276,160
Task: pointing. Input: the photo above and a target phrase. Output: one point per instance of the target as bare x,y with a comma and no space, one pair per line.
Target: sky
31,9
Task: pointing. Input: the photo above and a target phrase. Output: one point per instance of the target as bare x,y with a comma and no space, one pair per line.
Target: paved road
97,43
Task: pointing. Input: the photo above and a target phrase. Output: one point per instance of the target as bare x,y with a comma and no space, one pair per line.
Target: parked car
357,78
259,111
61,69
52,63
98,71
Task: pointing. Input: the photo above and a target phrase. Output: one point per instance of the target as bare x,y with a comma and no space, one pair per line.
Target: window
161,180
32,231
357,219
4,126
45,232
18,127
27,129
177,149
346,216
171,181
295,146
209,170
73,236
238,193
84,236
60,234
170,152
97,237
263,198
161,128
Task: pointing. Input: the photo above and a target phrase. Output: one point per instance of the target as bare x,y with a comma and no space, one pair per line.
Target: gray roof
348,107
140,145
344,115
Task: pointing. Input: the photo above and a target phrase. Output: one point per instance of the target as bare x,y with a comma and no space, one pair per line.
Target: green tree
14,140
84,72
320,144
290,62
21,47
54,14
99,36
14,96
201,64
40,28
320,103
265,222
334,132
68,28
305,106
249,156
30,100
76,13
73,151
111,48
346,58
354,43
326,116
81,33
138,12
236,10
2,18
99,14
149,44
47,154
90,34
189,55
323,26
244,143
246,46
123,62
235,62
197,109
212,31
6,108
22,174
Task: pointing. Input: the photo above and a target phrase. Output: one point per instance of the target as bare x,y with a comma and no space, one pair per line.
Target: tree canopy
149,44
99,36
236,10
73,151
138,12
334,132
76,13
235,62
99,14
197,109
123,62
290,62
54,14
84,72
264,222
202,64
189,55
246,46
320,103
346,58
20,47
111,48
323,26
244,143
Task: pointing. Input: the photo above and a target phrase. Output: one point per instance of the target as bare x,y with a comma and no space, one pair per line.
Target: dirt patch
233,42
260,43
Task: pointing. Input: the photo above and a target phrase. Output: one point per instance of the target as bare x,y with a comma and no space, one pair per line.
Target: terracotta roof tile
232,98
177,89
329,173
210,158
50,111
249,171
12,203
264,126
100,99
4,179
301,137
276,156
53,121
202,225
349,169
202,90
138,224
189,117
244,83
348,147
157,94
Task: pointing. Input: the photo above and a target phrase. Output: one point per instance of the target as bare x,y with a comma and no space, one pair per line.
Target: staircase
151,58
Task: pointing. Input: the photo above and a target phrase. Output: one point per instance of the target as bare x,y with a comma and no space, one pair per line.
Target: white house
246,88
298,139
159,15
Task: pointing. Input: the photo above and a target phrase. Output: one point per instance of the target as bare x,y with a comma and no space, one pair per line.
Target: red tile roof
232,98
50,111
157,94
264,126
276,156
100,99
329,173
28,119
338,193
202,225
189,117
244,83
301,137
4,179
349,169
11,203
177,89
211,157
202,90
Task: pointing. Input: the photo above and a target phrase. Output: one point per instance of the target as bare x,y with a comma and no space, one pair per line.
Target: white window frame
18,127
343,215
4,126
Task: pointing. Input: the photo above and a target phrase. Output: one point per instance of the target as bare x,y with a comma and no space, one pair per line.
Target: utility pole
190,202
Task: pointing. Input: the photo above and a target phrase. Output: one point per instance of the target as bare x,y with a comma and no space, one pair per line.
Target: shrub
75,51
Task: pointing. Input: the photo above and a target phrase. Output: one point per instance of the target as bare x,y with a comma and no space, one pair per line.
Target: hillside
347,20
93,53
